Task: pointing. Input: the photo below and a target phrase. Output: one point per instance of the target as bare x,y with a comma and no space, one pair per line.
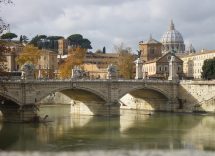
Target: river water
131,131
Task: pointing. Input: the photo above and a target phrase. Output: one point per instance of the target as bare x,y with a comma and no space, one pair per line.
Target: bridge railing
90,80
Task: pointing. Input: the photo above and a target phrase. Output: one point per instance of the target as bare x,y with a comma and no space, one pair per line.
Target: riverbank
113,153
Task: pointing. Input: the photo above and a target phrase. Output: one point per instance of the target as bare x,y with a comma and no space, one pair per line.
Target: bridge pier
173,105
26,113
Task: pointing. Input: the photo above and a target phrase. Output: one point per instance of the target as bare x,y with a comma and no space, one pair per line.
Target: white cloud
107,22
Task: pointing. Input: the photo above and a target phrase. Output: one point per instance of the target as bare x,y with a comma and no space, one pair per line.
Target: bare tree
3,25
125,61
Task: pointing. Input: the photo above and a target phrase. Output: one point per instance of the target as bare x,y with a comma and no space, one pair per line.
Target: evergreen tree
25,39
77,40
104,50
21,39
9,36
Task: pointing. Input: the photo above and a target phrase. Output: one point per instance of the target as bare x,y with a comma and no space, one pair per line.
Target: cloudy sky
110,22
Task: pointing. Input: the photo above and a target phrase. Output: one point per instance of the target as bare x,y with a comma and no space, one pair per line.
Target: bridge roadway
25,94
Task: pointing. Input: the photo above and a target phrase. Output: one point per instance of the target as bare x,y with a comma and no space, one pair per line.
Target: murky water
131,131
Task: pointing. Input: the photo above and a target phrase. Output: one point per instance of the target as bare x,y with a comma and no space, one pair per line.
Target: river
131,131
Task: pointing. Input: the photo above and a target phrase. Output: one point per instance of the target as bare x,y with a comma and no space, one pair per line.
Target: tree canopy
75,58
208,69
6,1
37,38
3,49
29,54
78,40
9,36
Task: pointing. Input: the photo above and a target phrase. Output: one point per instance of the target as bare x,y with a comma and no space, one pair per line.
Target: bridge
20,99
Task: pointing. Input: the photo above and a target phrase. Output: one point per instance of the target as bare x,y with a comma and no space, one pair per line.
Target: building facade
47,64
13,50
150,49
193,63
96,64
159,68
62,46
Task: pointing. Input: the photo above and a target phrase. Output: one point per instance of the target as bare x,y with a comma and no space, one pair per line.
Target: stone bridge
19,100
23,96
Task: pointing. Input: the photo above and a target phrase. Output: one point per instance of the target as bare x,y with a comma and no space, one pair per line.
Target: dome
172,35
172,40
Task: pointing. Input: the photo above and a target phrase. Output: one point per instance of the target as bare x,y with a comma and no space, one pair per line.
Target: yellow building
193,63
95,71
47,64
96,64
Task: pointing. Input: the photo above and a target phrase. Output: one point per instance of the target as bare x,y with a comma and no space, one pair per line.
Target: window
152,50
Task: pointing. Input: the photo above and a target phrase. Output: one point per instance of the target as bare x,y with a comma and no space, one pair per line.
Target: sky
111,22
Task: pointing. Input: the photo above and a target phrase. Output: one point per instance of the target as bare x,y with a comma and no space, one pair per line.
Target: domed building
172,40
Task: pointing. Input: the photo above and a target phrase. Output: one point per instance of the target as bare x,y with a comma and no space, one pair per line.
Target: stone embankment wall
197,96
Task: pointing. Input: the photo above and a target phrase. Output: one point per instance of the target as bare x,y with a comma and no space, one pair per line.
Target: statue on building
28,71
173,76
111,72
139,66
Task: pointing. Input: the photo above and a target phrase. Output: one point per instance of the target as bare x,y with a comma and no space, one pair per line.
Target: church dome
172,40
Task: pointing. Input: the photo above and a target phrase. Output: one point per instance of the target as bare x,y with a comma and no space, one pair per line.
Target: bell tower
149,49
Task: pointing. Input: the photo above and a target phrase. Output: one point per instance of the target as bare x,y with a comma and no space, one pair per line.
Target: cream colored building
13,50
47,64
96,64
193,63
95,71
62,46
159,68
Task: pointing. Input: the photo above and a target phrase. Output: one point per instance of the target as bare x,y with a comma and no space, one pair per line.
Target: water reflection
133,130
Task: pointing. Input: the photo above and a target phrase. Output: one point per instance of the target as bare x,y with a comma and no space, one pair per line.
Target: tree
9,36
29,54
3,49
3,25
104,50
25,39
75,58
20,39
98,51
125,61
77,40
6,1
208,69
37,38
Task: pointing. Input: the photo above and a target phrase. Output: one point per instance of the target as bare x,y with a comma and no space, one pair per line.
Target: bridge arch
9,97
165,93
148,98
72,88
